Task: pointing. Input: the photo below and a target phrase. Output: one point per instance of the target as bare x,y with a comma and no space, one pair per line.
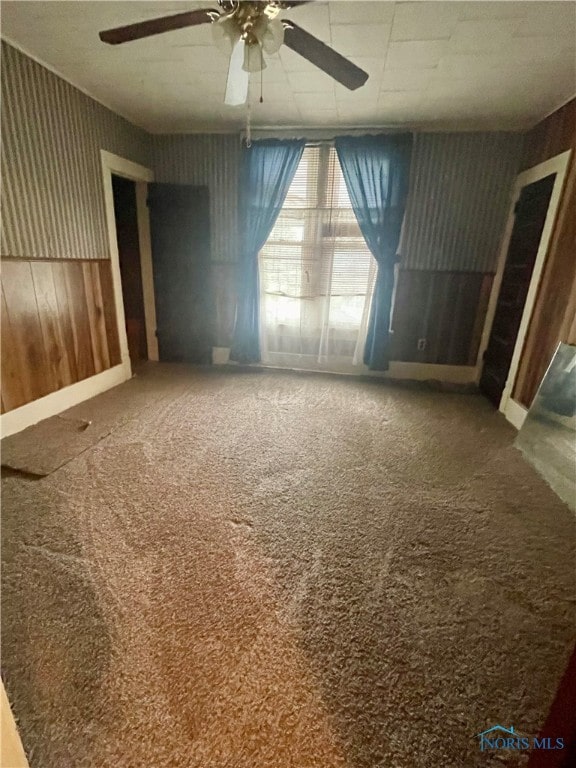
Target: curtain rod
315,134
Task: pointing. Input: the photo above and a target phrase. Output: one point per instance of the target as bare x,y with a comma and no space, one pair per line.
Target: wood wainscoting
58,325
445,310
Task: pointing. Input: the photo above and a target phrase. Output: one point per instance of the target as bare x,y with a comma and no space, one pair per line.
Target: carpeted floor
273,570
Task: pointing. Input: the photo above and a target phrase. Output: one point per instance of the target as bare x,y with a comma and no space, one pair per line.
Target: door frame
514,411
119,166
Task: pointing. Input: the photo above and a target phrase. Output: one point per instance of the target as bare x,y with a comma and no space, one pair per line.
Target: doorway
535,200
126,215
112,166
180,231
529,218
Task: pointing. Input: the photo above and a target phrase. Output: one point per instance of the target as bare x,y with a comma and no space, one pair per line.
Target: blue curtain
377,170
268,169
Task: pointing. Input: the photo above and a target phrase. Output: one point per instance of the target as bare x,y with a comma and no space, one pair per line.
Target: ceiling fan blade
323,57
157,26
238,79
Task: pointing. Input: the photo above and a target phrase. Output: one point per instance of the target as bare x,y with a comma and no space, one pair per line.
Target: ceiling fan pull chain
262,83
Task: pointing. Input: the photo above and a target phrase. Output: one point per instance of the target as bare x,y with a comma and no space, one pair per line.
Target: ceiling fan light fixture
253,58
238,80
225,34
272,9
246,30
272,37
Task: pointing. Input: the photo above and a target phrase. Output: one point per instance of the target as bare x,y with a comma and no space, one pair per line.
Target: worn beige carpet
272,570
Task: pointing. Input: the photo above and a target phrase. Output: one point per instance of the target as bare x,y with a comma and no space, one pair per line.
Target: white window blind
316,272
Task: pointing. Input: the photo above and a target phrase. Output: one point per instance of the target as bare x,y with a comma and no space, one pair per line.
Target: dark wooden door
180,230
530,215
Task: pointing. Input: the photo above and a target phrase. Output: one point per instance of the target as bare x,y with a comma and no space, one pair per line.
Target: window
316,272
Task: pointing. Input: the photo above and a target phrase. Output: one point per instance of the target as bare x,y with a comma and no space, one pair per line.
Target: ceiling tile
320,117
269,114
405,79
550,20
293,62
415,55
505,64
274,71
271,91
493,9
358,12
532,49
424,21
482,36
395,100
310,101
369,90
197,59
313,17
360,39
448,89
461,65
371,64
314,81
200,35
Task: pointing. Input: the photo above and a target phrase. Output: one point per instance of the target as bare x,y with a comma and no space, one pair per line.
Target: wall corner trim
56,402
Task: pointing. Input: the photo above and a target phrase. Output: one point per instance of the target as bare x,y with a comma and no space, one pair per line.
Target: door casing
113,164
514,411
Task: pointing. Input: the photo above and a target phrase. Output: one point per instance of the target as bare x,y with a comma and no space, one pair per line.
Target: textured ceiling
444,65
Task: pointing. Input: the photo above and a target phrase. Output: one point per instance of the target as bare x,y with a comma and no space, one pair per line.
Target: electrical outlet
421,345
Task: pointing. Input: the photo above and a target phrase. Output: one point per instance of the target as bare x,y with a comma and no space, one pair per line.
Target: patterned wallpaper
212,160
52,196
52,199
459,196
461,185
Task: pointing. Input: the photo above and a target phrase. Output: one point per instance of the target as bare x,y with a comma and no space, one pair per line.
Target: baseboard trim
220,355
56,402
449,374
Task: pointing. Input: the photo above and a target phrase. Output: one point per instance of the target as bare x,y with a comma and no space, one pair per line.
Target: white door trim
514,411
121,167
146,268
58,401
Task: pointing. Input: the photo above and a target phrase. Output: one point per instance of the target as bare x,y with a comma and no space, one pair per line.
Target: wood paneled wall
58,325
58,315
553,135
446,310
554,315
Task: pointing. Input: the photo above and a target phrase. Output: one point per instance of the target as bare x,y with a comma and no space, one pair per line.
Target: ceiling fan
247,30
